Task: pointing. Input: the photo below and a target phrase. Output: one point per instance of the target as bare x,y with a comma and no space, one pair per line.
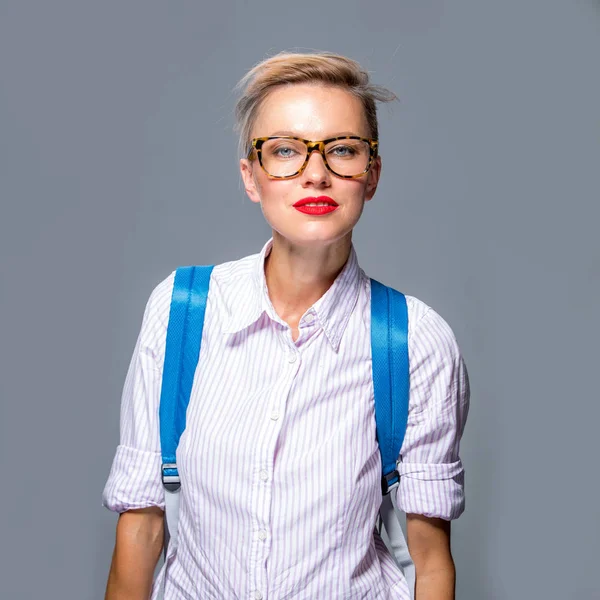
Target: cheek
354,190
272,191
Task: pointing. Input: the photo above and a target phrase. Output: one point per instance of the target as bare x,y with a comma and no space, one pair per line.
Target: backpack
389,348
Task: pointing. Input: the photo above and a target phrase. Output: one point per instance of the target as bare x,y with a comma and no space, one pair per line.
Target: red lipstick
327,205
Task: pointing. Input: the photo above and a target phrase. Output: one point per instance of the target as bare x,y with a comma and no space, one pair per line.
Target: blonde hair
288,68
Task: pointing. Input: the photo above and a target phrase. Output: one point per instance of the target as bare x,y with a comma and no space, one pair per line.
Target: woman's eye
284,152
343,151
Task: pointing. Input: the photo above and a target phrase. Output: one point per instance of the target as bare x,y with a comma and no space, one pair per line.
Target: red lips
312,200
316,211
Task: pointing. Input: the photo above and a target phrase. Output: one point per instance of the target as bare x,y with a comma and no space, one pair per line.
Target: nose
316,171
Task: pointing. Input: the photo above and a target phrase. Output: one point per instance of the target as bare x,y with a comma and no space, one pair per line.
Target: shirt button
264,475
274,415
258,595
262,535
309,318
292,357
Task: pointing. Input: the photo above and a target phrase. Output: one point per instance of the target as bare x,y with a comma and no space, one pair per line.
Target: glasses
347,156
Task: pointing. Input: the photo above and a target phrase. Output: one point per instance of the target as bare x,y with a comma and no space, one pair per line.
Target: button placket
262,491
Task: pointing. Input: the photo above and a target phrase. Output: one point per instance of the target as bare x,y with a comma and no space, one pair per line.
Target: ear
373,178
246,170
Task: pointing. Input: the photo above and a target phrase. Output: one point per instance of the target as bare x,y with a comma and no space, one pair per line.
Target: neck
297,276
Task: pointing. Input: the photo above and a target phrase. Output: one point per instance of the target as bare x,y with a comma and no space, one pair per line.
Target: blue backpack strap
184,334
391,375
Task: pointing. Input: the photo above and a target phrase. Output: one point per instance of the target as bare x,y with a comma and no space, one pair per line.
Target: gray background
118,163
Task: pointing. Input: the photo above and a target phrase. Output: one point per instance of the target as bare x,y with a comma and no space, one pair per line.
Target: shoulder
225,281
423,320
233,273
156,312
439,378
431,340
223,275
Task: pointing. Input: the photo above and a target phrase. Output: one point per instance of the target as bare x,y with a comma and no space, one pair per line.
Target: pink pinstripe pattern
279,462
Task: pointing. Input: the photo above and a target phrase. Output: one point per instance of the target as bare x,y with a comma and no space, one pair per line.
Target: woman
279,463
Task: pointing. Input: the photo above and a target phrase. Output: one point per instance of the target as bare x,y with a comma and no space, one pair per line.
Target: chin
319,236
302,230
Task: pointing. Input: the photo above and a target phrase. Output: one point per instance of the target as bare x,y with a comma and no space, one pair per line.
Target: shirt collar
246,309
332,310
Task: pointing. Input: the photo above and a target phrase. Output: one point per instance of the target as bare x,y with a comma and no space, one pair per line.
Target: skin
307,255
138,544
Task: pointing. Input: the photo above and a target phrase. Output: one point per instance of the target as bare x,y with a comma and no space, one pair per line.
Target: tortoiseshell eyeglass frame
319,146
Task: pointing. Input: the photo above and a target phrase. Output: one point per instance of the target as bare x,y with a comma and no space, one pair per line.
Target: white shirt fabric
279,464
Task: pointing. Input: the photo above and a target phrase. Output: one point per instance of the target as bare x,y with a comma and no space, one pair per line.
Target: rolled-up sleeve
135,475
431,472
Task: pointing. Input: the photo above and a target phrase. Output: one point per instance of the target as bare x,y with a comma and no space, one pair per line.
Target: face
312,112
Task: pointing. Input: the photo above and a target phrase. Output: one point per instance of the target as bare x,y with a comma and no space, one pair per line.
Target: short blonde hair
288,68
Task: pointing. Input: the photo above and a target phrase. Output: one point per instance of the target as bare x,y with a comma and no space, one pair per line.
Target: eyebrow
293,134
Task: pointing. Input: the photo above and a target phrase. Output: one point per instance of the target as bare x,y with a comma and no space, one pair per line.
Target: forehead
310,111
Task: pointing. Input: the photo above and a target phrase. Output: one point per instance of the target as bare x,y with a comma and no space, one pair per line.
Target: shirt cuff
432,490
134,481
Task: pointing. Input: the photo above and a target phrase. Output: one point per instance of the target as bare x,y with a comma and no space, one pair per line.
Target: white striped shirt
279,464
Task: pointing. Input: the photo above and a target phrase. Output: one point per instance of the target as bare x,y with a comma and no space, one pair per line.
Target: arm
137,549
431,490
429,546
134,487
